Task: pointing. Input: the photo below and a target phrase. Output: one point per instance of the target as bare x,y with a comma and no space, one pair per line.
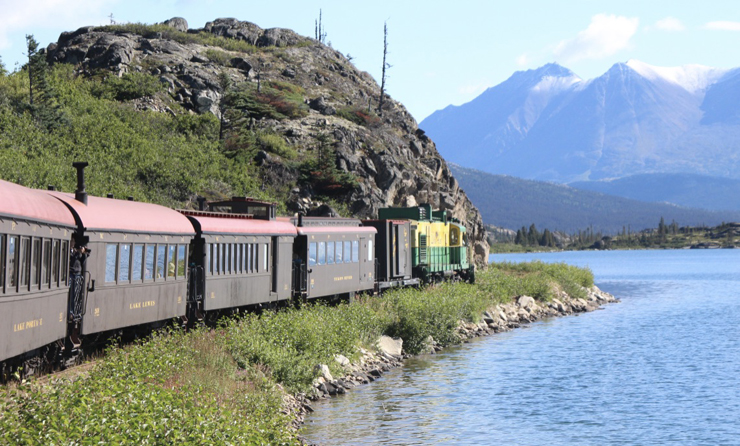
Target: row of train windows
329,253
125,262
38,263
238,258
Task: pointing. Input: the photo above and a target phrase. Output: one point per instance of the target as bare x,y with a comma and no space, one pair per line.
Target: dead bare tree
319,32
386,65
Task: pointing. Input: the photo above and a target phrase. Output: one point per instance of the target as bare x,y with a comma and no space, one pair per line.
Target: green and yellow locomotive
438,243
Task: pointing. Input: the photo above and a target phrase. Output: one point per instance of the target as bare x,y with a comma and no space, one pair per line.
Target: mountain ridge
518,202
548,124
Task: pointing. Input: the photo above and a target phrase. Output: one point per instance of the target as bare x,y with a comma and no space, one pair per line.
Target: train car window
242,258
347,252
180,260
137,262
229,258
171,260
329,253
216,258
369,250
124,267
64,254
209,259
12,262
46,266
36,262
111,254
256,257
149,262
338,253
253,266
161,252
265,257
355,251
24,261
234,258
312,254
322,253
55,262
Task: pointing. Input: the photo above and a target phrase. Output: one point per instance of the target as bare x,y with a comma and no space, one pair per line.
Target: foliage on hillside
165,158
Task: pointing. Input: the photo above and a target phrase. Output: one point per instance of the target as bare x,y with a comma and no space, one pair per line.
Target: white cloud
522,60
723,26
670,24
33,16
606,35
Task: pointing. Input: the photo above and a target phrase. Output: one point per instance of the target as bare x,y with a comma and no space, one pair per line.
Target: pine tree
662,231
41,95
533,237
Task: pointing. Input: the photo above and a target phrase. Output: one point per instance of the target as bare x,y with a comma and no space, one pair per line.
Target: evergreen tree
662,231
41,96
3,71
519,239
533,237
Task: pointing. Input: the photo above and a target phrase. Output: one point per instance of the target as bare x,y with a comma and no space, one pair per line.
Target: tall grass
173,389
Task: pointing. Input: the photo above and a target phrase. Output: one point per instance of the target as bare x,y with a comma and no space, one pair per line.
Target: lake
661,367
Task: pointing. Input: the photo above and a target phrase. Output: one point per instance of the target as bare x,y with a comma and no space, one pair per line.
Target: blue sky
441,52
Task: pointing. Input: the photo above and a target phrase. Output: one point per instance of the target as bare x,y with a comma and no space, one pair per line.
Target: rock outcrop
393,161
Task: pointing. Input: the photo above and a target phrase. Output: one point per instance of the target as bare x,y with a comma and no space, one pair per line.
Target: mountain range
510,202
636,119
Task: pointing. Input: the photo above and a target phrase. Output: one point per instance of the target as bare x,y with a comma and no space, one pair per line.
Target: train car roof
32,204
305,230
112,215
239,224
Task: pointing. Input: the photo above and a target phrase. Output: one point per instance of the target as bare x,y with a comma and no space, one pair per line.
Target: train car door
367,259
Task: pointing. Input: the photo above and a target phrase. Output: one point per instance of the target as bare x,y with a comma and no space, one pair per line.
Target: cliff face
393,163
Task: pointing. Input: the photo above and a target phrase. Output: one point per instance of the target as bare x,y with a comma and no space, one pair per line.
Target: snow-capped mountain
549,124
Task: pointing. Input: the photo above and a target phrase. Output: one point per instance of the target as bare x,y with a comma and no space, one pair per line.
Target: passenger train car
149,264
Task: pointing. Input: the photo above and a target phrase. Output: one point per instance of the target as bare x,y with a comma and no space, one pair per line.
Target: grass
223,386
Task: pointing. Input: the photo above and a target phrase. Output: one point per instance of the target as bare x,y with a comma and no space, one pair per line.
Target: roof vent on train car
50,187
80,193
130,198
201,203
109,196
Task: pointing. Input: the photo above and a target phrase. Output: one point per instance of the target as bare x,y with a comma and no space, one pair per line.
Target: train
75,268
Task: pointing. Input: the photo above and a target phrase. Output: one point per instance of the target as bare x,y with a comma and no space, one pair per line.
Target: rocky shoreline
499,318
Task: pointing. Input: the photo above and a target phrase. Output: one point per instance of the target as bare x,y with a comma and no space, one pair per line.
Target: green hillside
165,158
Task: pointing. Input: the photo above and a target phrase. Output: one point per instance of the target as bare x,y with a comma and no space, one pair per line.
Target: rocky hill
282,100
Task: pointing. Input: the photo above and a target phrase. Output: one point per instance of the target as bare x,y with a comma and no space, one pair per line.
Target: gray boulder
391,346
178,23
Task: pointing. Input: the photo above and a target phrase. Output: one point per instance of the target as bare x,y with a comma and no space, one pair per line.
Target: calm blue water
662,367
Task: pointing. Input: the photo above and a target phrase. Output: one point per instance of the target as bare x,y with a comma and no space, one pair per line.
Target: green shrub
290,343
219,57
274,100
360,116
435,312
130,86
